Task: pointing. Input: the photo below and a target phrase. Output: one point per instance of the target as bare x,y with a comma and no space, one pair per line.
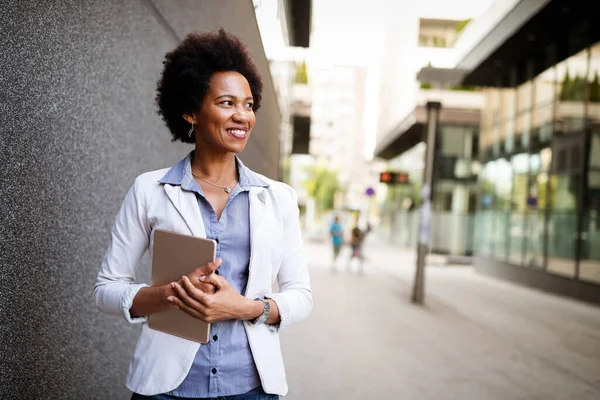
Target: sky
352,31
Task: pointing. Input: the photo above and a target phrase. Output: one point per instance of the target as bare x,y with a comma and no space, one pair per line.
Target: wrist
165,291
252,309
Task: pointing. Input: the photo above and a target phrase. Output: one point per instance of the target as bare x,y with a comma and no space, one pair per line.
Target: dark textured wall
77,124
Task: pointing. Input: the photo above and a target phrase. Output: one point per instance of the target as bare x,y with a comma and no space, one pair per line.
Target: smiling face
225,120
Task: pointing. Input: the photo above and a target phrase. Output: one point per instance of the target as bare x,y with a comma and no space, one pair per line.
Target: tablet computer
175,255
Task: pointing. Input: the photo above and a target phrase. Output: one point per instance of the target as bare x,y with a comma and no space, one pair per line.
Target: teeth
237,131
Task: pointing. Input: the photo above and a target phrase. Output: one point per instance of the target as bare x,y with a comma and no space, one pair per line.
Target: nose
240,115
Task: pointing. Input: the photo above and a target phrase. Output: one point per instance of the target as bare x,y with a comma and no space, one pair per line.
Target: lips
239,133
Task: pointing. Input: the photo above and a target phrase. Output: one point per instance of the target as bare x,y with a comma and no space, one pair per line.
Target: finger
192,291
208,268
184,296
180,305
216,280
206,288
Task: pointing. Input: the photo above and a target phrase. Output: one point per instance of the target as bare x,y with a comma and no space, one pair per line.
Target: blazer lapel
257,206
187,206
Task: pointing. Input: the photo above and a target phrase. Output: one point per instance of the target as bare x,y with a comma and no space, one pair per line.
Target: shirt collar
181,175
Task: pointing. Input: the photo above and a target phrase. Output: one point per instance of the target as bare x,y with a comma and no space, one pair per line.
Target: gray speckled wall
77,124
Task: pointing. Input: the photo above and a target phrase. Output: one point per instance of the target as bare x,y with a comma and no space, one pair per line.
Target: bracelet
262,319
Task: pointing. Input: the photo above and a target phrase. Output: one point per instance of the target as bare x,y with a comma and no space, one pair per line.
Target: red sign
394,178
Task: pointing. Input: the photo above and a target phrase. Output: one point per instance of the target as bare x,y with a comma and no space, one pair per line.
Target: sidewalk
475,338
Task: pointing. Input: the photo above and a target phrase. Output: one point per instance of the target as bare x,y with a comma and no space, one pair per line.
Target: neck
214,165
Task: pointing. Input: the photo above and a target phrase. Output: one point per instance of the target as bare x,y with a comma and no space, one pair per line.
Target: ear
189,118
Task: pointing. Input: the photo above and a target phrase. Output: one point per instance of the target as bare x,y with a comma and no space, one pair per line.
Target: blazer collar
177,182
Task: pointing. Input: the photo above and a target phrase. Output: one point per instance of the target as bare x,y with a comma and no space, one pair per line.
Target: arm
115,290
294,301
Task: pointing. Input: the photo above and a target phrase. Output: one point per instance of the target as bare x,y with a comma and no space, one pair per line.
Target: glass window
452,140
520,170
594,88
524,105
595,151
485,216
509,112
589,265
536,204
543,111
562,224
572,75
502,178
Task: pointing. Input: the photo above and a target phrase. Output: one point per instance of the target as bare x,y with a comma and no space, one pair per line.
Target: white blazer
162,361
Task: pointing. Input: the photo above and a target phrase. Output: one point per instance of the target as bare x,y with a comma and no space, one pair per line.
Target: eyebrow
232,96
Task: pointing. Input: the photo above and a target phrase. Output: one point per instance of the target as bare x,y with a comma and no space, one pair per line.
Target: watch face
265,315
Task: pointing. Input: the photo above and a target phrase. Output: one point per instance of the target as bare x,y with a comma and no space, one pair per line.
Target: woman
337,238
208,93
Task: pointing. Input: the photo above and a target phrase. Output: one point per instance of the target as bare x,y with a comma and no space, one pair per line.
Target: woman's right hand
195,275
150,300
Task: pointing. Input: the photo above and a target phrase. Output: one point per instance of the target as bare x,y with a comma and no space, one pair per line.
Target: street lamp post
418,294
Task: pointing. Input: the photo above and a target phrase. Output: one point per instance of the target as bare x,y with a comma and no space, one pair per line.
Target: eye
227,103
249,105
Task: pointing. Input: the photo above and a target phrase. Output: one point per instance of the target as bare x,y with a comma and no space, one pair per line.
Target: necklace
227,188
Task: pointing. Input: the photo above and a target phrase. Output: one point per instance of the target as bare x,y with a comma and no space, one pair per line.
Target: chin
236,148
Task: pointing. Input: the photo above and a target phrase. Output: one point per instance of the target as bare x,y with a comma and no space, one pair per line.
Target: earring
191,131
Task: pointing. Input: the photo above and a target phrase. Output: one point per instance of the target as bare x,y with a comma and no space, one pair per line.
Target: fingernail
173,285
170,299
203,277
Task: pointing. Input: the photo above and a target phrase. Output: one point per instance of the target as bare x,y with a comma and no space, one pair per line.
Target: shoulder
281,191
151,178
148,183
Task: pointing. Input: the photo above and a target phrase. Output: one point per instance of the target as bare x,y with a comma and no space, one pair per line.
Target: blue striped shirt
224,366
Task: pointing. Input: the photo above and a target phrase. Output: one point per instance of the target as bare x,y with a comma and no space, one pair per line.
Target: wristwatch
262,319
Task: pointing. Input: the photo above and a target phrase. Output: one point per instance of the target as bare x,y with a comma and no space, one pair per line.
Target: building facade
403,123
538,217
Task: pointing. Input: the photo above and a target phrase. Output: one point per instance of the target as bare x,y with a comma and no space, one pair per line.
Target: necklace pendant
227,190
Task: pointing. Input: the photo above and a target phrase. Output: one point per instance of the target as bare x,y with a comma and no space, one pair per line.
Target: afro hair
188,70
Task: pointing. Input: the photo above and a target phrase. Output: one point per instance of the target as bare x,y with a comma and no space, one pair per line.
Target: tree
578,89
301,73
322,184
565,90
595,89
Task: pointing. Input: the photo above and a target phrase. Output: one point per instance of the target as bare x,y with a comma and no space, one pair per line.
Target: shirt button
215,338
214,371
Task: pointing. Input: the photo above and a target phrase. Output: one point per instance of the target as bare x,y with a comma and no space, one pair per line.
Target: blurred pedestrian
207,95
336,232
356,244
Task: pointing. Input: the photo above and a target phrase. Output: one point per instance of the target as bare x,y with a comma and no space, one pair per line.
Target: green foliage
466,88
566,86
575,89
322,184
595,89
301,73
460,25
286,171
426,85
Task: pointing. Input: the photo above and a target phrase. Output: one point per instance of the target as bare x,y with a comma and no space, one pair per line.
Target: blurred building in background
416,70
324,125
539,188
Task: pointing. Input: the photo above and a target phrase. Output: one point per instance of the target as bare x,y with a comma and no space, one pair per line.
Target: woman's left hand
225,304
